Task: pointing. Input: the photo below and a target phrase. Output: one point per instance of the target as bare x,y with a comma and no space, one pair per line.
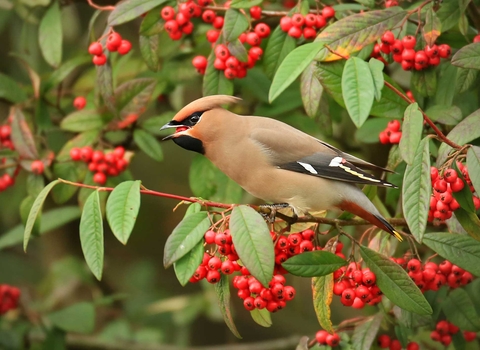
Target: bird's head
194,120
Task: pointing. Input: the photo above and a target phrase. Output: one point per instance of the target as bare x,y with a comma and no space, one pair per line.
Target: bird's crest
204,104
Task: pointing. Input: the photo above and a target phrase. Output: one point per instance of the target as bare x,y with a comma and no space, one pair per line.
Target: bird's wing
292,149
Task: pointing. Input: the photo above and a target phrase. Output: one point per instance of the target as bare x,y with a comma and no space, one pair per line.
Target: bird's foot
270,212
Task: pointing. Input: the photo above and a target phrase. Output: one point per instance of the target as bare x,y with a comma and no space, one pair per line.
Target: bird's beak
169,125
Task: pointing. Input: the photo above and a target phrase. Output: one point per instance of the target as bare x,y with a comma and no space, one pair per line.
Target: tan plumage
276,162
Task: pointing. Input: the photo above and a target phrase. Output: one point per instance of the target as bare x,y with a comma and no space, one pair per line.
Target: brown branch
101,8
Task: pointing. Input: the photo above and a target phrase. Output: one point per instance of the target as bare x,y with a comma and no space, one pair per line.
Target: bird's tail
389,228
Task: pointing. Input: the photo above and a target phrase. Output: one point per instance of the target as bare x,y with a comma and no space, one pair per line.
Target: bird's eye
195,118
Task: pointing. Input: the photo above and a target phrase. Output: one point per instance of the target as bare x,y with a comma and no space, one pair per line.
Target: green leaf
83,120
35,211
149,49
469,221
460,310
322,290
55,339
185,237
214,80
313,264
152,24
207,181
446,91
395,283
35,184
237,49
352,33
412,129
25,207
148,144
235,24
390,105
91,234
291,67
432,28
279,45
467,57
186,266
62,72
50,35
132,97
358,90
376,69
78,318
104,84
262,317
465,79
71,171
425,82
449,14
245,4
128,10
10,90
311,90
473,164
22,137
466,131
253,242
448,115
368,132
122,209
365,332
222,290
86,138
416,190
154,124
464,197
461,250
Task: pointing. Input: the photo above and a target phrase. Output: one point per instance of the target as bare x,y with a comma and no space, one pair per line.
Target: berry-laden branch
441,136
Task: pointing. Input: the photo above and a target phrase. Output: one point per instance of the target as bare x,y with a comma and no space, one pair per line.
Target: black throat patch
190,143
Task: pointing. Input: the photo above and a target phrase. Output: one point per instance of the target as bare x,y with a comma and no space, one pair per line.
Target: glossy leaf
412,129
128,10
262,317
83,120
376,69
416,190
133,96
291,67
432,27
25,207
425,82
185,237
365,332
395,283
245,4
467,57
148,49
237,49
87,138
322,290
473,164
253,242
448,115
10,90
91,234
78,318
311,90
152,24
148,144
222,289
72,171
461,250
235,24
313,264
460,310
354,32
469,221
22,137
465,79
279,45
186,266
358,90
122,209
214,80
35,211
104,84
50,35
464,197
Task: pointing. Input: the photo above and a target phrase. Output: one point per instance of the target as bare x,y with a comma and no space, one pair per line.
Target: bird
276,162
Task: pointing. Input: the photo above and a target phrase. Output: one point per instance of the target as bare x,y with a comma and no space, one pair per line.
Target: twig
101,8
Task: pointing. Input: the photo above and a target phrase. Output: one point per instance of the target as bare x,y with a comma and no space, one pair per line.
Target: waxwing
276,162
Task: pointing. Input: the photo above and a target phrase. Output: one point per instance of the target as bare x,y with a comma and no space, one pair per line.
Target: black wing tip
389,228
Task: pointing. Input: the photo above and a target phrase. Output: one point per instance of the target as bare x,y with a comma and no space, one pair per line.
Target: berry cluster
324,338
385,342
403,52
432,276
177,24
442,203
356,286
308,25
102,164
114,43
79,102
391,134
8,298
5,140
444,330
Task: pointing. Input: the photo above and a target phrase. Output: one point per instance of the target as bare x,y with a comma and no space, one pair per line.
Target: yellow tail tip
397,236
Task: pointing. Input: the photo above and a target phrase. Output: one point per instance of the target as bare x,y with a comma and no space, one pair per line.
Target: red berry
213,276
414,265
406,65
75,153
321,21
408,55
395,137
433,173
384,138
413,346
37,167
457,186
167,13
230,73
256,12
434,61
431,51
199,62
95,48
100,178
218,22
393,125
232,62
124,47
290,292
338,288
445,267
212,35
409,42
255,52
384,341
208,16
253,39
388,38
171,26
440,185
397,46
181,19
214,263
79,102
321,337
286,23
395,345
221,51
113,41
5,131
309,33
262,30
470,336
450,175
421,58
446,340
333,340
328,12
187,28
369,278
310,20
99,60
298,20
444,51
295,32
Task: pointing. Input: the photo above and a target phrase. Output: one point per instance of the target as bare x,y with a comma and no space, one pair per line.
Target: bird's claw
272,211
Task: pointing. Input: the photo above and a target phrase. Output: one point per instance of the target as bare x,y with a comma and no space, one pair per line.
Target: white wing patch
308,168
338,162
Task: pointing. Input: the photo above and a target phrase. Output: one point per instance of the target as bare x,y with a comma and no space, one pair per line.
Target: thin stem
101,8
